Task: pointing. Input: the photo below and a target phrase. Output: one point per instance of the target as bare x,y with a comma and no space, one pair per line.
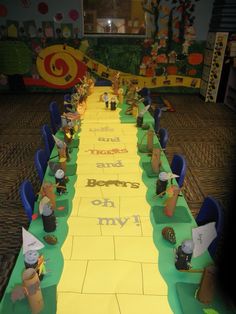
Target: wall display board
213,63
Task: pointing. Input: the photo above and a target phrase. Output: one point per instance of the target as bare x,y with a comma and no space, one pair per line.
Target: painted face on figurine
31,256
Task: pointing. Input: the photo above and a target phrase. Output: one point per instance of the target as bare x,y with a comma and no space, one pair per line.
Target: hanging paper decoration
43,8
3,10
26,3
30,28
73,15
12,29
58,17
48,28
67,30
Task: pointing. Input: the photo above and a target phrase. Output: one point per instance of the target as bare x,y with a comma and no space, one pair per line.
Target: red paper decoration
58,17
43,8
3,10
73,15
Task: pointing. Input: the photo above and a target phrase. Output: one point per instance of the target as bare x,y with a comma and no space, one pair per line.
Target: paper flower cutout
73,15
43,8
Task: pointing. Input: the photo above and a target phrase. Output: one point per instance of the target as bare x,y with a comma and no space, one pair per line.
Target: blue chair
147,101
67,97
157,118
55,117
41,161
27,198
211,211
163,137
144,92
67,102
178,166
48,140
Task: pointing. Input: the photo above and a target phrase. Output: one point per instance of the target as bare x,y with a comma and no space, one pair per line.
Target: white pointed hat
30,242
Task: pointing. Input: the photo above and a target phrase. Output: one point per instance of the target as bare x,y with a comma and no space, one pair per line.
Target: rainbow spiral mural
60,67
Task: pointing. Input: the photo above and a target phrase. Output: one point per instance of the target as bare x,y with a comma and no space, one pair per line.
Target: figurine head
187,246
59,174
163,176
31,257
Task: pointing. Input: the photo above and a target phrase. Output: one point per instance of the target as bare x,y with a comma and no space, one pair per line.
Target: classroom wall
34,26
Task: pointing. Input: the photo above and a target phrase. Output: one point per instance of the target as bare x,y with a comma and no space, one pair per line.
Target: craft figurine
105,98
121,96
183,255
48,217
63,153
156,160
32,285
116,82
150,135
32,259
30,289
62,148
171,201
113,103
47,189
140,116
161,183
206,290
60,181
168,234
134,110
90,86
68,134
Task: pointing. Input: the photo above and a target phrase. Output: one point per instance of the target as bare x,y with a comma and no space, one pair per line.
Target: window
114,17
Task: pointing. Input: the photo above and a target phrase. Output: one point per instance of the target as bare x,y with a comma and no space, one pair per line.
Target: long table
111,256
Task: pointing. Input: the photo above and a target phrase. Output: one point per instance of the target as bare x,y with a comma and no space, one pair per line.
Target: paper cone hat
172,175
202,238
59,143
142,112
30,242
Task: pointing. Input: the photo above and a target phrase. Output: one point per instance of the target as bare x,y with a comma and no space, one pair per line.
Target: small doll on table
113,103
105,98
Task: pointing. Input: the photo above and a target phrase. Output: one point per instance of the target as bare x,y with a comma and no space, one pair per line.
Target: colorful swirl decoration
59,66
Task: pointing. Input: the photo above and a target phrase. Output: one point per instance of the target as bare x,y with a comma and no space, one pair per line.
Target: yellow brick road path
110,261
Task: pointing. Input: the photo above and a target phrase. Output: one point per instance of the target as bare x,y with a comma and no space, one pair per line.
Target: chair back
211,211
40,161
67,97
163,137
27,198
178,166
67,102
55,116
147,101
157,118
48,140
144,92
